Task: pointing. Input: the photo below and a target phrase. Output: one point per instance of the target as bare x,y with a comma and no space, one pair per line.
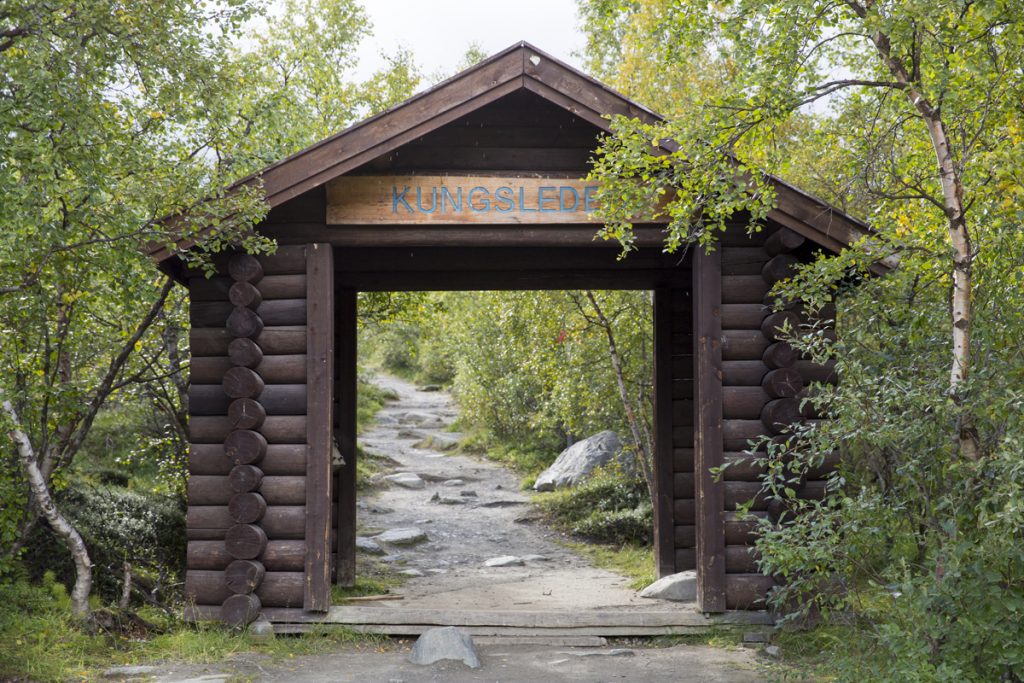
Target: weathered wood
241,322
245,295
747,591
780,413
709,288
243,446
664,414
241,576
244,352
783,383
780,325
783,241
682,460
320,425
246,413
741,559
276,312
683,485
279,459
275,429
247,508
684,510
741,531
738,493
214,341
270,287
743,289
278,589
682,388
736,433
242,382
779,268
743,344
275,399
238,611
279,556
283,369
779,355
817,372
748,373
742,466
278,490
743,403
686,559
743,316
281,522
684,536
245,268
743,260
345,395
243,478
245,541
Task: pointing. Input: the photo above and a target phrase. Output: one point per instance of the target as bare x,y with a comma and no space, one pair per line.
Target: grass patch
370,398
608,508
632,561
40,641
373,577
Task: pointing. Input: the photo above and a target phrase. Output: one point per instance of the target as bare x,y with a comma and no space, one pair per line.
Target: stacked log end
244,446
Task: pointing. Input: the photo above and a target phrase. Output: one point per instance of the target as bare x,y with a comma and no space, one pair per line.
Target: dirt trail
484,517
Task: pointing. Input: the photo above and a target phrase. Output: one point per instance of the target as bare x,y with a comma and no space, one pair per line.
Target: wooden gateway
473,184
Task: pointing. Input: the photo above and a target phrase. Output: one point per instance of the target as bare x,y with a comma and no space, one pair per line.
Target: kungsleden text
505,199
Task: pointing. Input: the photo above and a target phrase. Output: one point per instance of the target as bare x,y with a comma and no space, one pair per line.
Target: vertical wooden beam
664,524
345,432
707,312
319,423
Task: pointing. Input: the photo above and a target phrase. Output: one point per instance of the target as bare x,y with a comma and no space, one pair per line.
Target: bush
607,508
117,525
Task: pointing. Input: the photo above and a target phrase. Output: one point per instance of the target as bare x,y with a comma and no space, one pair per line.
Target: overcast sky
439,31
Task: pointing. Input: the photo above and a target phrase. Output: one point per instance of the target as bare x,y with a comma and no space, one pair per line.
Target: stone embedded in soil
369,546
401,536
502,503
393,559
122,672
407,480
681,587
535,558
411,573
468,493
504,561
614,652
438,644
453,482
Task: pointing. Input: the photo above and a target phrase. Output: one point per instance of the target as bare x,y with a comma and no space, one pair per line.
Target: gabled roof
519,67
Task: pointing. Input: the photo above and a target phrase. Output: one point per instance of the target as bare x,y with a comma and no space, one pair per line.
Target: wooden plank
664,544
320,424
345,432
707,288
508,157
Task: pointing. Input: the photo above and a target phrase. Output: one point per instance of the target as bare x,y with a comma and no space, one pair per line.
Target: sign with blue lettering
361,200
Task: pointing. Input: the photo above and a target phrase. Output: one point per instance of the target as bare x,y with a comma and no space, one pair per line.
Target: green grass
373,577
632,561
40,641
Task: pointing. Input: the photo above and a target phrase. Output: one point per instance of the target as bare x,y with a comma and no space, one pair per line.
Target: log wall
262,356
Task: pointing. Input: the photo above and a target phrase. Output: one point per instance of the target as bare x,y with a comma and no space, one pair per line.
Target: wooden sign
362,200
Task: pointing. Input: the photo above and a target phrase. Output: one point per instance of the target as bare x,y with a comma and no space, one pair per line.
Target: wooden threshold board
403,621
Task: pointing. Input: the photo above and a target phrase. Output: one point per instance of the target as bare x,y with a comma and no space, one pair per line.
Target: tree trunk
641,435
60,525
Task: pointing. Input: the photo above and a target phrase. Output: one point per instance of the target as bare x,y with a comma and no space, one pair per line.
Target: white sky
438,32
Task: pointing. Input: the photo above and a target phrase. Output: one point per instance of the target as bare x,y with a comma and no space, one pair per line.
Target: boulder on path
576,462
368,545
681,587
409,480
449,642
402,536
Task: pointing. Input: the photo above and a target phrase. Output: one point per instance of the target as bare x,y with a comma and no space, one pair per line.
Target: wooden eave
519,67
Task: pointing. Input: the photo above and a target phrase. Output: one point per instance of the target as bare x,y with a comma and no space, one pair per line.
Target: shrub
607,508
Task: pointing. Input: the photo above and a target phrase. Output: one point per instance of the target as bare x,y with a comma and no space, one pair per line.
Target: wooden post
664,522
345,433
707,292
319,424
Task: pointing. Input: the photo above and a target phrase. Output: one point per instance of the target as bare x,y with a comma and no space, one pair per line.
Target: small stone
453,482
504,561
437,644
119,672
614,652
393,559
755,637
773,651
681,587
468,493
261,631
411,572
423,521
408,480
368,546
535,558
402,536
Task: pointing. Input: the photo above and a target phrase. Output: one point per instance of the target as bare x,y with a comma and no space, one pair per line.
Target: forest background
905,114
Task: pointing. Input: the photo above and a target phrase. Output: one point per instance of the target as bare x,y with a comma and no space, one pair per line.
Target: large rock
576,462
444,643
409,480
681,587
